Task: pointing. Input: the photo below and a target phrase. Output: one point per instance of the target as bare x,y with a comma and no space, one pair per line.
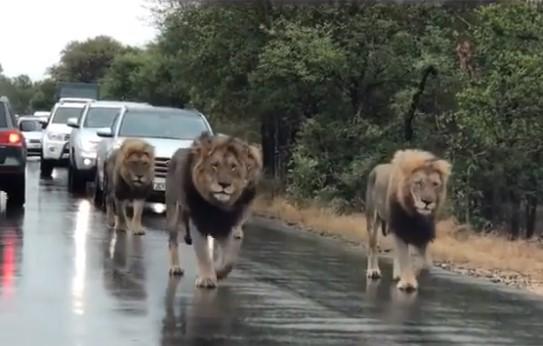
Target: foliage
86,61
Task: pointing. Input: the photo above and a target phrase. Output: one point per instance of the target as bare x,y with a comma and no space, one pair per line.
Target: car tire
98,194
76,181
17,193
46,168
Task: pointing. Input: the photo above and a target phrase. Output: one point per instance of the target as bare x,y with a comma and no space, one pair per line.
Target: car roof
71,104
4,99
75,100
113,103
157,109
28,117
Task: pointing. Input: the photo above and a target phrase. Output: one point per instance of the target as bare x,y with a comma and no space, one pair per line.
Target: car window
176,125
30,126
62,114
101,117
3,120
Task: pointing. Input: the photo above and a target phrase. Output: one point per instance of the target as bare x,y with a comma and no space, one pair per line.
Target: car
166,129
56,135
32,132
12,157
42,114
83,140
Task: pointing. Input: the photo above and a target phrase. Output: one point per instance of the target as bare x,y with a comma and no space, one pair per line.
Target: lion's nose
426,201
224,185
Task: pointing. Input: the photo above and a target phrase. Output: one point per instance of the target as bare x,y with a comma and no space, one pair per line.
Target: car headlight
55,136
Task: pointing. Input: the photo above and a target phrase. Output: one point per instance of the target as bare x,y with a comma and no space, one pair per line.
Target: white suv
84,140
56,135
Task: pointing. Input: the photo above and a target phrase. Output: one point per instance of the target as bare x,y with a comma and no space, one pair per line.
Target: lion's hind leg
121,217
137,226
226,254
373,271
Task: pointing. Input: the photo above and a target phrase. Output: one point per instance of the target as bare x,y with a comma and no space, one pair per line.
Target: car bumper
33,148
57,151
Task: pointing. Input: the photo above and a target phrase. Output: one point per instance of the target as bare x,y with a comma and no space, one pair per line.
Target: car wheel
16,193
76,182
98,193
46,168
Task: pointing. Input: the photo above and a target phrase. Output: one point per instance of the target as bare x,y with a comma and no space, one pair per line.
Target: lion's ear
444,167
202,145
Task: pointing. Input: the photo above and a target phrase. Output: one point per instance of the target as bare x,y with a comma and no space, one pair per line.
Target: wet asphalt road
65,279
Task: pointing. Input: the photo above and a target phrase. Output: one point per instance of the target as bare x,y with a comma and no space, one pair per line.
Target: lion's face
220,171
137,166
426,188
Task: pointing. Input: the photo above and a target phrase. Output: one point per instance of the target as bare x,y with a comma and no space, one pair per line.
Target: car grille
161,166
36,141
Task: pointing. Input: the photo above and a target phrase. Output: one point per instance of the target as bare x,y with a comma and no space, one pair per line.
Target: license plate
159,185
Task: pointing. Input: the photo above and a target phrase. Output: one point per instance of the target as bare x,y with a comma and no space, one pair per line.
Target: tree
86,61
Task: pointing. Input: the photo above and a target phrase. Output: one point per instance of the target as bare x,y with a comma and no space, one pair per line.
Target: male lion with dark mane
211,186
129,173
403,196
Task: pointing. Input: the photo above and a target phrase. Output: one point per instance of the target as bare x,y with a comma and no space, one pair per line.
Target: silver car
167,129
32,129
84,141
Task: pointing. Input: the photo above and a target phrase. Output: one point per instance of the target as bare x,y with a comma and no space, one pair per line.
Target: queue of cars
81,133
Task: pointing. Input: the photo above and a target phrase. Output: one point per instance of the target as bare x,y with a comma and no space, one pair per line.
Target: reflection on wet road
65,279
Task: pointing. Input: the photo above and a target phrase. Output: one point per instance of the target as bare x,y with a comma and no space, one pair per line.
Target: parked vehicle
55,137
83,140
12,157
167,129
32,132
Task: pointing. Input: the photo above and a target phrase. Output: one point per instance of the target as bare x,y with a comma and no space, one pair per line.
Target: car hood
59,128
165,147
89,135
32,134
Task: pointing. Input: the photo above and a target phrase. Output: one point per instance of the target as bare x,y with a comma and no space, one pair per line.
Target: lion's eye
234,168
436,183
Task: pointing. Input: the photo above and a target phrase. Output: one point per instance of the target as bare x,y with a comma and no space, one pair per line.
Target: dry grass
455,244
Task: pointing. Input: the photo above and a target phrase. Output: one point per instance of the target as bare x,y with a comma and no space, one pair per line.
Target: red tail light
13,137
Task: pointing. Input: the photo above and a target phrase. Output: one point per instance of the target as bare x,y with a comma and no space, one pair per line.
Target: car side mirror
72,122
44,123
105,132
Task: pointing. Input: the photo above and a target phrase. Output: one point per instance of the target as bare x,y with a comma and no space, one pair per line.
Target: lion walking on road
403,197
129,173
211,186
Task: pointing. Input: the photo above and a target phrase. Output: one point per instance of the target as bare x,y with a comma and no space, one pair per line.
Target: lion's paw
373,274
407,285
176,271
139,231
223,271
120,228
206,282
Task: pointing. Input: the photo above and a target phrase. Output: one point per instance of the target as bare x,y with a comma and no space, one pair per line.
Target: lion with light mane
128,177
403,197
210,186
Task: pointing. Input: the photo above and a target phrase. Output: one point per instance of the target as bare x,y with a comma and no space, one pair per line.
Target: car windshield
100,117
30,126
62,114
161,124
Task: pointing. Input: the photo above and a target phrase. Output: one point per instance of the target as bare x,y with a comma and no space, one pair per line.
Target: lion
404,197
129,173
208,186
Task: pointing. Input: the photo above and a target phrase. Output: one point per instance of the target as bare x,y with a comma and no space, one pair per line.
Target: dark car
12,156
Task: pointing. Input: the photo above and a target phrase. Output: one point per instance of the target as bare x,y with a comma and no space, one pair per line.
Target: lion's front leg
226,255
121,218
408,281
424,258
206,271
137,226
173,219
